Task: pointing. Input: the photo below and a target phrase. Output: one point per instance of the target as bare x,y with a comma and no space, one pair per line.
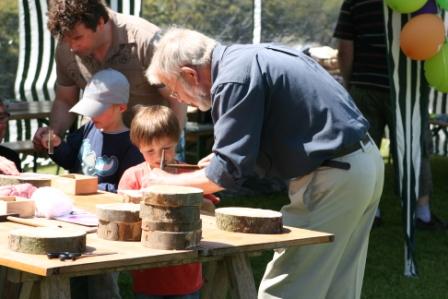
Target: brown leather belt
345,151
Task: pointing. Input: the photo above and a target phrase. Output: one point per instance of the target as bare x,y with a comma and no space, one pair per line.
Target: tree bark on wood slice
171,240
172,196
171,226
41,240
248,220
120,231
118,212
174,215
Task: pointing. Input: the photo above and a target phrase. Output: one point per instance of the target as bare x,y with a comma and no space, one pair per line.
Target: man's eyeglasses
4,117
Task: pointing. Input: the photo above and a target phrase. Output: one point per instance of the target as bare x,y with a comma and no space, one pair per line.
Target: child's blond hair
152,123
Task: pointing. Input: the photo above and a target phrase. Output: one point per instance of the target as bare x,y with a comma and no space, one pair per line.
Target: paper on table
79,216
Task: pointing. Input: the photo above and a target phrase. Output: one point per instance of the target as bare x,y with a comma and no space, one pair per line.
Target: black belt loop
345,151
336,164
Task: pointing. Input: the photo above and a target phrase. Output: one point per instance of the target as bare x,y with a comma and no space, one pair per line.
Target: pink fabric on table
22,190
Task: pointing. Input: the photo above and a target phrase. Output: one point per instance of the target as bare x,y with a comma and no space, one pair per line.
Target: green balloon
443,3
436,70
406,6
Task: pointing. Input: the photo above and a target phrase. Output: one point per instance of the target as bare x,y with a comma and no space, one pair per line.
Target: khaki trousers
342,202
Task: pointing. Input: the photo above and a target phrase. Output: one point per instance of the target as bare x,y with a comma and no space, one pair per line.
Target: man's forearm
60,118
345,60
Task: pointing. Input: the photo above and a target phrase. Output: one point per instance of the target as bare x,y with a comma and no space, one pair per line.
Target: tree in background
9,47
229,21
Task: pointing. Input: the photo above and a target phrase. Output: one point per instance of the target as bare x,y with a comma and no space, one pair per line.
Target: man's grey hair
179,47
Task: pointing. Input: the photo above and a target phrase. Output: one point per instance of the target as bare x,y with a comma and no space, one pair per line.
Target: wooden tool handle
35,223
29,222
183,165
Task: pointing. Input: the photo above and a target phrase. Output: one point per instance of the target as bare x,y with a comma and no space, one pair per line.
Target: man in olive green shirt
91,38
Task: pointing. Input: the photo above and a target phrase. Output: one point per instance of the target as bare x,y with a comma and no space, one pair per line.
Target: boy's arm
66,154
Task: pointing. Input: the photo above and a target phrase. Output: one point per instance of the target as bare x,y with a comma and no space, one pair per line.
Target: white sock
423,213
378,213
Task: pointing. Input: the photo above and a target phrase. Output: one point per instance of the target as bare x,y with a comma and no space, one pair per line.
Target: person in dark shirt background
362,56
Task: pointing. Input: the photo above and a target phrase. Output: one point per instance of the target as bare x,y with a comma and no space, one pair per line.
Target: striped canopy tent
412,100
409,99
36,70
438,104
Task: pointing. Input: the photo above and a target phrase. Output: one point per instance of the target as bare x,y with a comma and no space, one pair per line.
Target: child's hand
55,140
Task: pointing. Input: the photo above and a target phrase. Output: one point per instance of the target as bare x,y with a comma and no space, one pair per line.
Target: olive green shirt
131,51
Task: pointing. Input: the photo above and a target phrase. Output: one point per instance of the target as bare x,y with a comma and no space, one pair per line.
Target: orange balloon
422,37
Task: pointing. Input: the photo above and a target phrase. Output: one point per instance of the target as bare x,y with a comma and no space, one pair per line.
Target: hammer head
3,218
162,160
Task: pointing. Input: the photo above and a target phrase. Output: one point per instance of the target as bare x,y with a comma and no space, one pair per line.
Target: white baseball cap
107,87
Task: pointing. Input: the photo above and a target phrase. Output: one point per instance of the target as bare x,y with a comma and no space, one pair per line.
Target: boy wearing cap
101,147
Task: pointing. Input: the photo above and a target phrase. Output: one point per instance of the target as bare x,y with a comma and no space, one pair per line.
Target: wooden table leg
55,287
25,290
241,276
216,281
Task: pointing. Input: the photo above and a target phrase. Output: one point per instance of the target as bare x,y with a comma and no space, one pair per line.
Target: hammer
163,164
14,217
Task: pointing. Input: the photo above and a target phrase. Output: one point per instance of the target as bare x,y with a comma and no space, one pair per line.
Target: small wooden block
171,240
118,212
35,179
17,205
173,215
248,220
171,226
41,240
131,196
76,183
172,196
120,231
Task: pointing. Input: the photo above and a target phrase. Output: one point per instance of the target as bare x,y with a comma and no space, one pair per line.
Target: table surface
115,255
29,110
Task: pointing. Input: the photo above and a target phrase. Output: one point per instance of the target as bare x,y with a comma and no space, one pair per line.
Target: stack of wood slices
170,217
119,221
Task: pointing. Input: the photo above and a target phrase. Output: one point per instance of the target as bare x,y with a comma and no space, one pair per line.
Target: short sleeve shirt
362,21
130,53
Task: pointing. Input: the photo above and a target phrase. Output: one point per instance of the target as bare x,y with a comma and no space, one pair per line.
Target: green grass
384,270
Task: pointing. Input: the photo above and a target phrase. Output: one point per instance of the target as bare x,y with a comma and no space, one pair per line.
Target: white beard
201,97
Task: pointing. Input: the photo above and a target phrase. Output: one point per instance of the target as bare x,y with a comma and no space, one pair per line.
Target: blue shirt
93,152
276,112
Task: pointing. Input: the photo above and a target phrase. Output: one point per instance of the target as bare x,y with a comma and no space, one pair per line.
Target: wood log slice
171,240
171,226
172,196
41,240
118,212
248,220
119,231
131,196
174,215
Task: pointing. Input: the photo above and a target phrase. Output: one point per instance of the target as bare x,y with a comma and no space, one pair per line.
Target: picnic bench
225,249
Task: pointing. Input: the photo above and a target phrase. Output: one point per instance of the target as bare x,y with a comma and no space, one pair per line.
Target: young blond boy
155,130
102,147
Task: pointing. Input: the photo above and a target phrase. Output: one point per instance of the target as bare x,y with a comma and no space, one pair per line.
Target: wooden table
29,110
228,248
